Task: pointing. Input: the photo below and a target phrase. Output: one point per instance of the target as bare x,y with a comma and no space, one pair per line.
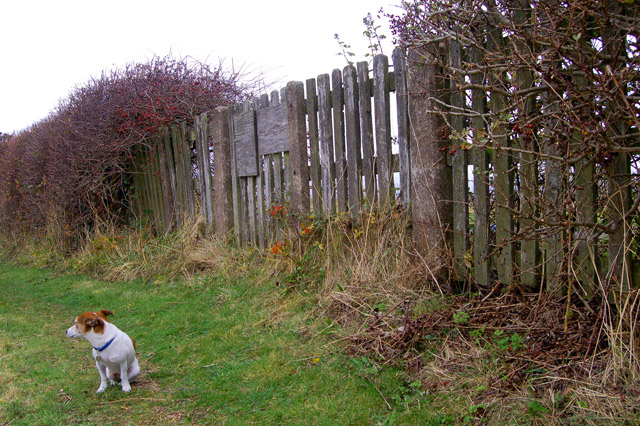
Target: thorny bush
73,167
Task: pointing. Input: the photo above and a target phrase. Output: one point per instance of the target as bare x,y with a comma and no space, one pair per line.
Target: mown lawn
212,351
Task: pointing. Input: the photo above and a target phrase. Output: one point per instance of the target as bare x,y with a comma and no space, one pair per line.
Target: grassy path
212,351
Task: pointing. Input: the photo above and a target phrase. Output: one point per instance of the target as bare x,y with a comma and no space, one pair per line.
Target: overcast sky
50,46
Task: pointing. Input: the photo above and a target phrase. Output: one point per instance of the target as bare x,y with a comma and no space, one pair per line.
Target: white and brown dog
113,350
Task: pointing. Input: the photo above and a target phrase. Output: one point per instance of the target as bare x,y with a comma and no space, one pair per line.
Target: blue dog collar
105,346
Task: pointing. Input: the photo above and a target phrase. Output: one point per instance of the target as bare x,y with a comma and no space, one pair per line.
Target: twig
115,401
376,388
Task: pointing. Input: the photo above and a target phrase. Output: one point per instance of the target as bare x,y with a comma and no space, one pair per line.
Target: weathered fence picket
404,162
340,170
366,133
481,234
382,113
458,165
327,169
353,144
314,145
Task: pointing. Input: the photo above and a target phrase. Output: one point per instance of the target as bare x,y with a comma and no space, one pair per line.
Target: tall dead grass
117,254
370,265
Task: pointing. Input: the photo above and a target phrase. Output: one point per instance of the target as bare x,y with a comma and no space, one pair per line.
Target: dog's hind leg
124,377
134,370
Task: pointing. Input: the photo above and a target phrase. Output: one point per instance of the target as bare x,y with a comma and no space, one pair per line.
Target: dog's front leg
102,369
124,376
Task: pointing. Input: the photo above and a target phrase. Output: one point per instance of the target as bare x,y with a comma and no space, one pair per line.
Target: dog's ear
106,312
92,322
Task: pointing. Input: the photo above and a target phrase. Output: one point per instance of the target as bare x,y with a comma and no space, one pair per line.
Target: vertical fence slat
382,110
286,162
314,145
619,203
554,186
400,77
141,159
528,170
459,164
149,179
138,185
481,260
278,199
326,144
185,186
352,124
244,212
337,101
366,133
586,209
204,168
251,210
171,169
298,147
165,182
261,221
553,192
267,173
188,172
180,194
157,189
277,179
503,183
152,181
235,184
222,172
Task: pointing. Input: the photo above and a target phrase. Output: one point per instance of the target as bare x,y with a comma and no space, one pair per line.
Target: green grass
212,350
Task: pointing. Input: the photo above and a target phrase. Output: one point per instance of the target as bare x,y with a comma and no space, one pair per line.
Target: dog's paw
126,388
101,389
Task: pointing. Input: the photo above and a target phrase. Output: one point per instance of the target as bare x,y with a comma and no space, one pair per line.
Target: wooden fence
329,149
328,146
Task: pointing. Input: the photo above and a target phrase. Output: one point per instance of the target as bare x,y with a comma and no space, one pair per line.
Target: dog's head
89,322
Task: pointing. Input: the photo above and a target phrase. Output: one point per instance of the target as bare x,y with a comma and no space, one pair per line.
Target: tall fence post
298,148
222,171
431,190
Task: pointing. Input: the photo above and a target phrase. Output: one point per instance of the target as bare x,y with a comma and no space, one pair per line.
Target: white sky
50,46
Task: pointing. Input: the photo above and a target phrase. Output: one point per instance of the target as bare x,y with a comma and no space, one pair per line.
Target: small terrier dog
113,350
